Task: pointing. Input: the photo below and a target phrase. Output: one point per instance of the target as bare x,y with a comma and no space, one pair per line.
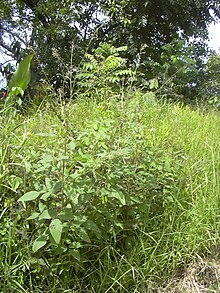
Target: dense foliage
98,195
60,33
109,182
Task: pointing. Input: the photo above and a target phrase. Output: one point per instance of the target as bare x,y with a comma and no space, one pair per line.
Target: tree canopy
60,32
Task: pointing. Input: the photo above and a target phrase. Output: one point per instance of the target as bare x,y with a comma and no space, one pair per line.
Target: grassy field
109,196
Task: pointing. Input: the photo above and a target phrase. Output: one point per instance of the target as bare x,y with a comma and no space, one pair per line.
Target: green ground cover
106,196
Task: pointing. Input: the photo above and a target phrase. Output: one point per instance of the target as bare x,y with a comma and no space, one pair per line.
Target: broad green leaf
49,184
16,183
45,195
45,215
120,196
27,166
42,206
72,145
90,225
62,158
22,75
67,213
56,228
31,195
47,159
39,242
83,235
84,198
17,91
75,253
57,186
79,219
33,216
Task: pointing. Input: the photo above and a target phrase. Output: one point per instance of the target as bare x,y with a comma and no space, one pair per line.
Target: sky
214,34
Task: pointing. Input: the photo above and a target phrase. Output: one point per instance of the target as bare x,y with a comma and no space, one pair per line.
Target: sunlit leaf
46,195
45,215
56,228
118,195
22,76
31,195
39,243
33,216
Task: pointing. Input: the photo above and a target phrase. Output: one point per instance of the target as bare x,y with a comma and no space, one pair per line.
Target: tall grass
172,147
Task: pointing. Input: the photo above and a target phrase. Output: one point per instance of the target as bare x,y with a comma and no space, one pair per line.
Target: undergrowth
110,196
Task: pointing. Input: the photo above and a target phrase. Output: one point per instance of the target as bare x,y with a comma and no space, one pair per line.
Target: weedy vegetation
116,190
106,195
109,147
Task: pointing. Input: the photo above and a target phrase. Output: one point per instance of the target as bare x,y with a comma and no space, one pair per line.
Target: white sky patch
214,35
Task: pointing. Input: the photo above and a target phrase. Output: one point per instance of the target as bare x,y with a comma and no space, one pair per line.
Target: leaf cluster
100,190
104,70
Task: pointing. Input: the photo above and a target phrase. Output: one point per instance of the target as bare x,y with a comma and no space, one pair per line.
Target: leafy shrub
106,190
104,71
100,190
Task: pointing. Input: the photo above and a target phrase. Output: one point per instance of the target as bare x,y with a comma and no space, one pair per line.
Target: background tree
49,29
210,87
60,32
157,23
